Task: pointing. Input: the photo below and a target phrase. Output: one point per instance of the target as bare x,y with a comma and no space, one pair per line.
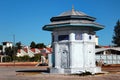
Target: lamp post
14,49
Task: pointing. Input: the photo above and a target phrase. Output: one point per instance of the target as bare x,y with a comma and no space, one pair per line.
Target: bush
26,58
37,57
7,59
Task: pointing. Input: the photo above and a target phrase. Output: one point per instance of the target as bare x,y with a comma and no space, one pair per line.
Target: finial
72,7
73,11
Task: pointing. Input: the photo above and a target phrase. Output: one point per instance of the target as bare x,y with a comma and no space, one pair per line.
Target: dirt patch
9,73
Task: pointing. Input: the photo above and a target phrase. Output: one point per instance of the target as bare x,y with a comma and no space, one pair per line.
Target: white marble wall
74,55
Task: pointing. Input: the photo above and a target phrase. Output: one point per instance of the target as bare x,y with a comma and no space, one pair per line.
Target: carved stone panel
64,56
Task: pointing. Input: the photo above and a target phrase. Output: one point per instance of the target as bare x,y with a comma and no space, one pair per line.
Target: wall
108,59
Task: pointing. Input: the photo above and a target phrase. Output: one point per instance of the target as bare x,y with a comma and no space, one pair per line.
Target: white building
73,36
6,44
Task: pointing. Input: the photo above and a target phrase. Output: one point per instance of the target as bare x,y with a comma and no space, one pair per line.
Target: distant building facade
32,52
6,44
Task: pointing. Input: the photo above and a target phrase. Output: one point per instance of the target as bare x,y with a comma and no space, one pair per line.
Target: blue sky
25,18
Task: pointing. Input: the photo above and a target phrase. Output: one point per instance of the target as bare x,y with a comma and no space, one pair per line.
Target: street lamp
14,49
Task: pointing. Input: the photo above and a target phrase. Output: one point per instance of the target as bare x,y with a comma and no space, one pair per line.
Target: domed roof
73,19
72,12
72,15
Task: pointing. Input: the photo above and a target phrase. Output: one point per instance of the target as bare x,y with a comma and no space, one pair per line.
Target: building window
90,37
63,37
78,36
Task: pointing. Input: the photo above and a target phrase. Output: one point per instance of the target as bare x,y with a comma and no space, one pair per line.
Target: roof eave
77,17
95,27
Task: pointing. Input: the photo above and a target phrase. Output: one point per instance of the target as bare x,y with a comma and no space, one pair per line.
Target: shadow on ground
38,71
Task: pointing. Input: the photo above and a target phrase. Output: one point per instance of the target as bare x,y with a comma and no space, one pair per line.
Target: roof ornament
73,11
72,8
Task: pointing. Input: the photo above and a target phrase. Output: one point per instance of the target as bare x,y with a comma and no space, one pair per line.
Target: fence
108,59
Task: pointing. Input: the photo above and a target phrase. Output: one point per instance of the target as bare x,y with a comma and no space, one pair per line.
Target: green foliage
26,58
116,36
37,57
33,44
9,51
18,45
7,59
38,45
0,47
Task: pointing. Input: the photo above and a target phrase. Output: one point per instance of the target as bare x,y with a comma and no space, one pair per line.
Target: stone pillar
85,37
84,54
71,55
50,60
57,55
72,36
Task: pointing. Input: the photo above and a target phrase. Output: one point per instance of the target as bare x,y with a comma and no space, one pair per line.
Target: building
73,38
26,51
6,44
108,55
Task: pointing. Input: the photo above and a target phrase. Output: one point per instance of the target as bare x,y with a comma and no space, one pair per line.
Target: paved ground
34,73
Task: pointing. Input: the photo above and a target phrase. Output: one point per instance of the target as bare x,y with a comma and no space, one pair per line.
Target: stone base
93,70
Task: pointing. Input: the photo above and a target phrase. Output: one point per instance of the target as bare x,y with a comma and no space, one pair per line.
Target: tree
33,44
9,51
40,45
0,47
18,45
116,36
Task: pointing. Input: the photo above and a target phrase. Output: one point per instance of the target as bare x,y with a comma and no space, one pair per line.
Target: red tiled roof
18,51
47,50
25,49
33,50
